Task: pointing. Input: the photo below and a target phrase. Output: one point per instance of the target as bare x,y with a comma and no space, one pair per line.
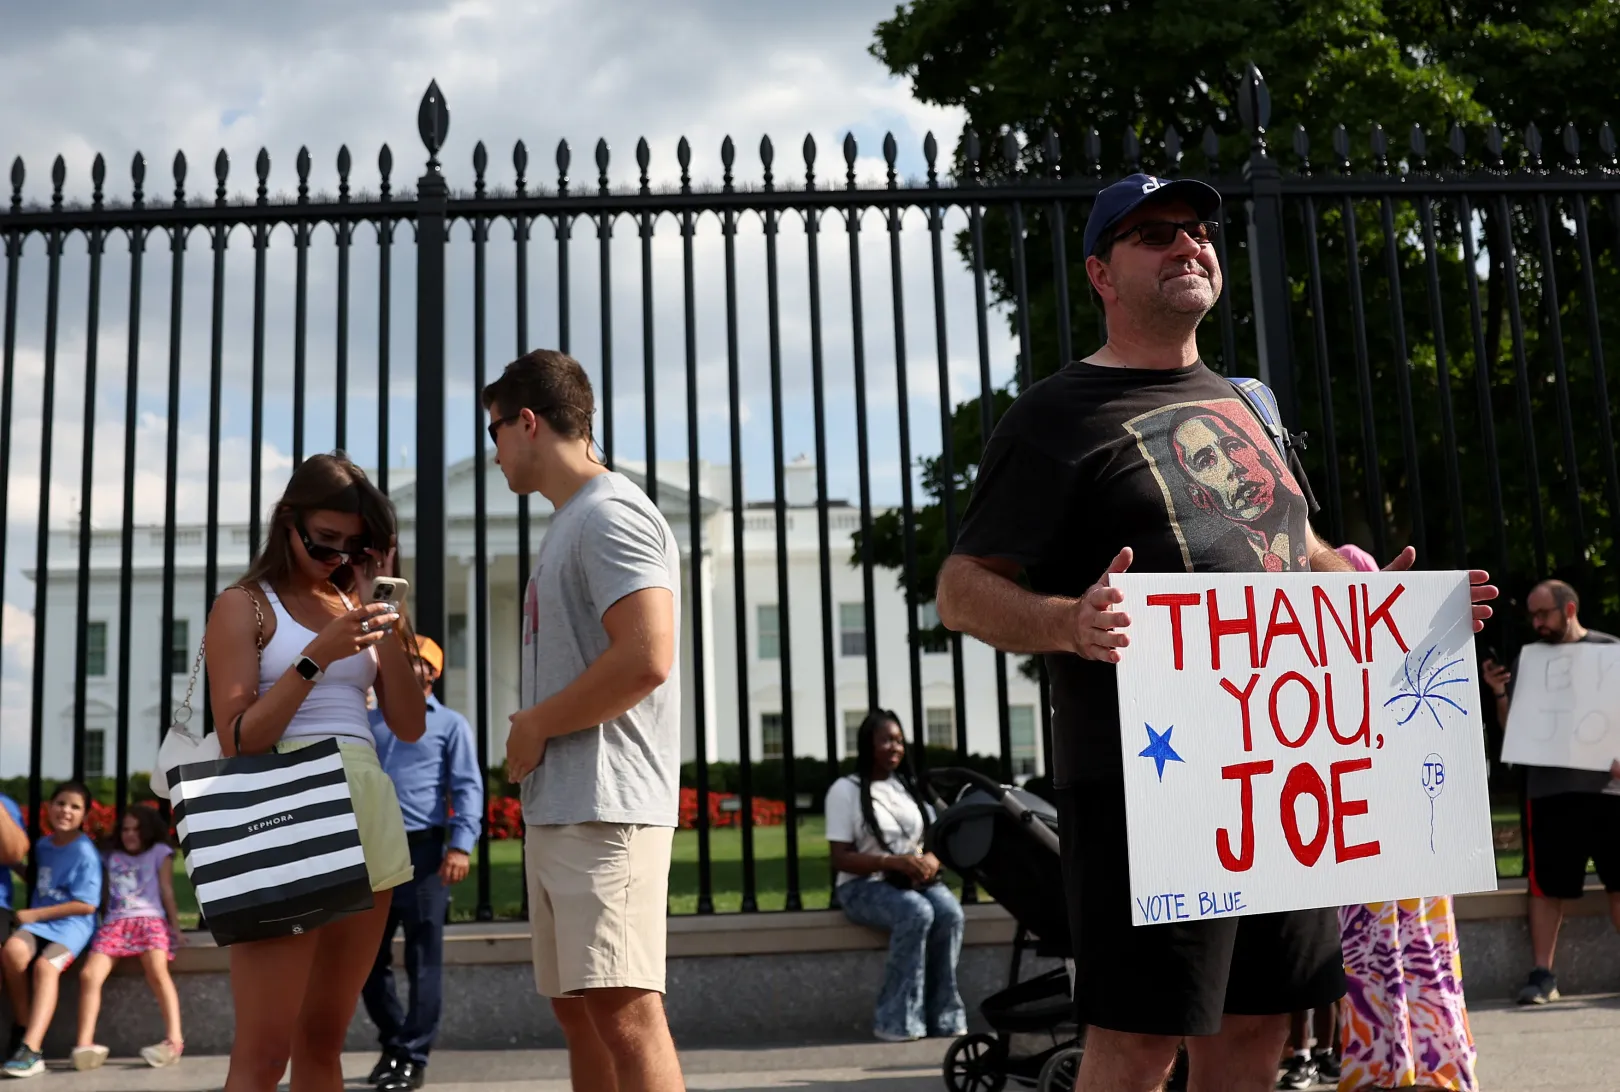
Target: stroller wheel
974,1064
1061,1070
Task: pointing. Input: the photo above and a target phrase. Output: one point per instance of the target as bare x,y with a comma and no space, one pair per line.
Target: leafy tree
1142,69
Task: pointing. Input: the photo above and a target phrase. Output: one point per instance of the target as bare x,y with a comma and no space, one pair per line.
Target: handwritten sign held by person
1566,707
1289,738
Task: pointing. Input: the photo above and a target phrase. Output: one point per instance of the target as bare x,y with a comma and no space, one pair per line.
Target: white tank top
335,707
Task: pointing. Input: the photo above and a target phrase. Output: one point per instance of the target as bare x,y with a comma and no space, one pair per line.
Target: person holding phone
292,649
1570,816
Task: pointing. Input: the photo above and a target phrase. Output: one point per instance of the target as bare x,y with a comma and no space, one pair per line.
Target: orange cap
430,652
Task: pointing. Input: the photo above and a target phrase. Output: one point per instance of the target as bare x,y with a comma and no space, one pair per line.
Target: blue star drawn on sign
1159,749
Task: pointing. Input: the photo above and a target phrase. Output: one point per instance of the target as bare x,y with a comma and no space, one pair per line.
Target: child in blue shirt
56,927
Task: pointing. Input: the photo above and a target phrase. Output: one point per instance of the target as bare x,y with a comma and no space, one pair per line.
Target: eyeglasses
323,554
1163,233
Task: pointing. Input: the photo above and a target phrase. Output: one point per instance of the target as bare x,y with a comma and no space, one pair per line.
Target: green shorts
376,812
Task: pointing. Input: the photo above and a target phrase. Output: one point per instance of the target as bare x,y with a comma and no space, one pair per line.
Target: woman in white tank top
306,597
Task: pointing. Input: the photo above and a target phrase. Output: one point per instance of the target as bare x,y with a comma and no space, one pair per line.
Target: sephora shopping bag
270,842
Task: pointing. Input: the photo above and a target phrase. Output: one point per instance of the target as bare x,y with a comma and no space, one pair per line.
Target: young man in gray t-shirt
597,742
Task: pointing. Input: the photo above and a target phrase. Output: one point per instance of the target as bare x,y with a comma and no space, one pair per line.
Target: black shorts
1178,978
1565,831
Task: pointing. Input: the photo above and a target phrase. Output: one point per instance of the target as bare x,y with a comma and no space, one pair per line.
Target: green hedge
103,789
811,776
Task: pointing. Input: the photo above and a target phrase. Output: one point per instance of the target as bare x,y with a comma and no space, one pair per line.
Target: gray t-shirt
606,542
1542,781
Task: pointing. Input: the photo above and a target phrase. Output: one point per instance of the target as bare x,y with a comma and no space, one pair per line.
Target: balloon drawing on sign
1424,687
1434,783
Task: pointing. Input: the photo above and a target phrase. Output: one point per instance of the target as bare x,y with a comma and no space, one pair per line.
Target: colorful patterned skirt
131,936
1403,1022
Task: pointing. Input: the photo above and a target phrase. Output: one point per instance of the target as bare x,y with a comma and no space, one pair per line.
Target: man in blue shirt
441,794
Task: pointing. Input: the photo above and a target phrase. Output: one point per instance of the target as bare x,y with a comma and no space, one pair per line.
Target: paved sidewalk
1572,1046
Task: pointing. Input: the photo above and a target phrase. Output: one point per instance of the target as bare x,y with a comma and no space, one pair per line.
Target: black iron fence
1433,317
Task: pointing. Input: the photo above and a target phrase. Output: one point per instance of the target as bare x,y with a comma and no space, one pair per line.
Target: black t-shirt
1542,781
1174,464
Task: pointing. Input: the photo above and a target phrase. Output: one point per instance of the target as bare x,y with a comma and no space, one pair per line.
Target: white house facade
729,674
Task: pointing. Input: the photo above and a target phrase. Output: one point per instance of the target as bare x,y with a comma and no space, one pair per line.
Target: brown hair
77,788
153,829
553,386
331,483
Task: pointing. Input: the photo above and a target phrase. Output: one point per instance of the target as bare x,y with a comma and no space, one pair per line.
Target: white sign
1566,707
1300,740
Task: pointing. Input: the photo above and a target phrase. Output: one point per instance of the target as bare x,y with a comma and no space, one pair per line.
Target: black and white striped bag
270,841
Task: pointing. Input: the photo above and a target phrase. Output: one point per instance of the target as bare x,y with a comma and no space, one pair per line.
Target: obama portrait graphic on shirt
1232,502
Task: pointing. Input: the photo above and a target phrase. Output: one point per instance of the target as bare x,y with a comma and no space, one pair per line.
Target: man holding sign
1140,457
1570,816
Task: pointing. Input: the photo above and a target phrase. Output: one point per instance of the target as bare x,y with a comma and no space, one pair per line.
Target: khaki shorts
598,905
376,813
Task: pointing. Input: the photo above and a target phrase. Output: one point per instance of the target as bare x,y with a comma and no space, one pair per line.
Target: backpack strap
1264,404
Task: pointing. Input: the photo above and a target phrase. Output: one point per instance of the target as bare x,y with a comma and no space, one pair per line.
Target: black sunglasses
323,554
496,426
500,423
1163,233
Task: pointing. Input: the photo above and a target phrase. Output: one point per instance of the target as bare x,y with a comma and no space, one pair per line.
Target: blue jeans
419,906
919,994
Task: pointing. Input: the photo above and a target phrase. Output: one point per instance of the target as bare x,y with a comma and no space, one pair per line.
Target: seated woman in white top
292,649
876,822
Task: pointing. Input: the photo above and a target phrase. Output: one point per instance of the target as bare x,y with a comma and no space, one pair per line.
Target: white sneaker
160,1055
89,1057
889,1037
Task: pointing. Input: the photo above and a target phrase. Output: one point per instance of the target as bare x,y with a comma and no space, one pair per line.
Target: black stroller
1005,841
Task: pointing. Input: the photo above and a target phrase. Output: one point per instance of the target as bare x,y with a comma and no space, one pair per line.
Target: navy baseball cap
1129,193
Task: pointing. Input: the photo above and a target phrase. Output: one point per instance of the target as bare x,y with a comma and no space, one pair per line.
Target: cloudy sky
115,78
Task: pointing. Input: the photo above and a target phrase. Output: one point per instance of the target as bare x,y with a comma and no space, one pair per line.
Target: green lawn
726,872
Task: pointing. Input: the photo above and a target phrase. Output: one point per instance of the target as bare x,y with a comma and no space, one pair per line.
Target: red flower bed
100,822
767,813
504,818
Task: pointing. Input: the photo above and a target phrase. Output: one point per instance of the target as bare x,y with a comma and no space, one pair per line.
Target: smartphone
391,590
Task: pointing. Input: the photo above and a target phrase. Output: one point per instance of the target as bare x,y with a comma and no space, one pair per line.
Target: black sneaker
1298,1073
408,1077
1327,1065
386,1067
1540,989
17,1033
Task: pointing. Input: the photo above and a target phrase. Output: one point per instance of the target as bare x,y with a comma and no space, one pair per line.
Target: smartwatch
308,669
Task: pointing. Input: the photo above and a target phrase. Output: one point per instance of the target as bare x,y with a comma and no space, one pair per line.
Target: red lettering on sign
1175,601
1382,614
1243,860
1363,733
1352,636
1303,780
1275,628
1243,700
1226,627
1310,717
1343,808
